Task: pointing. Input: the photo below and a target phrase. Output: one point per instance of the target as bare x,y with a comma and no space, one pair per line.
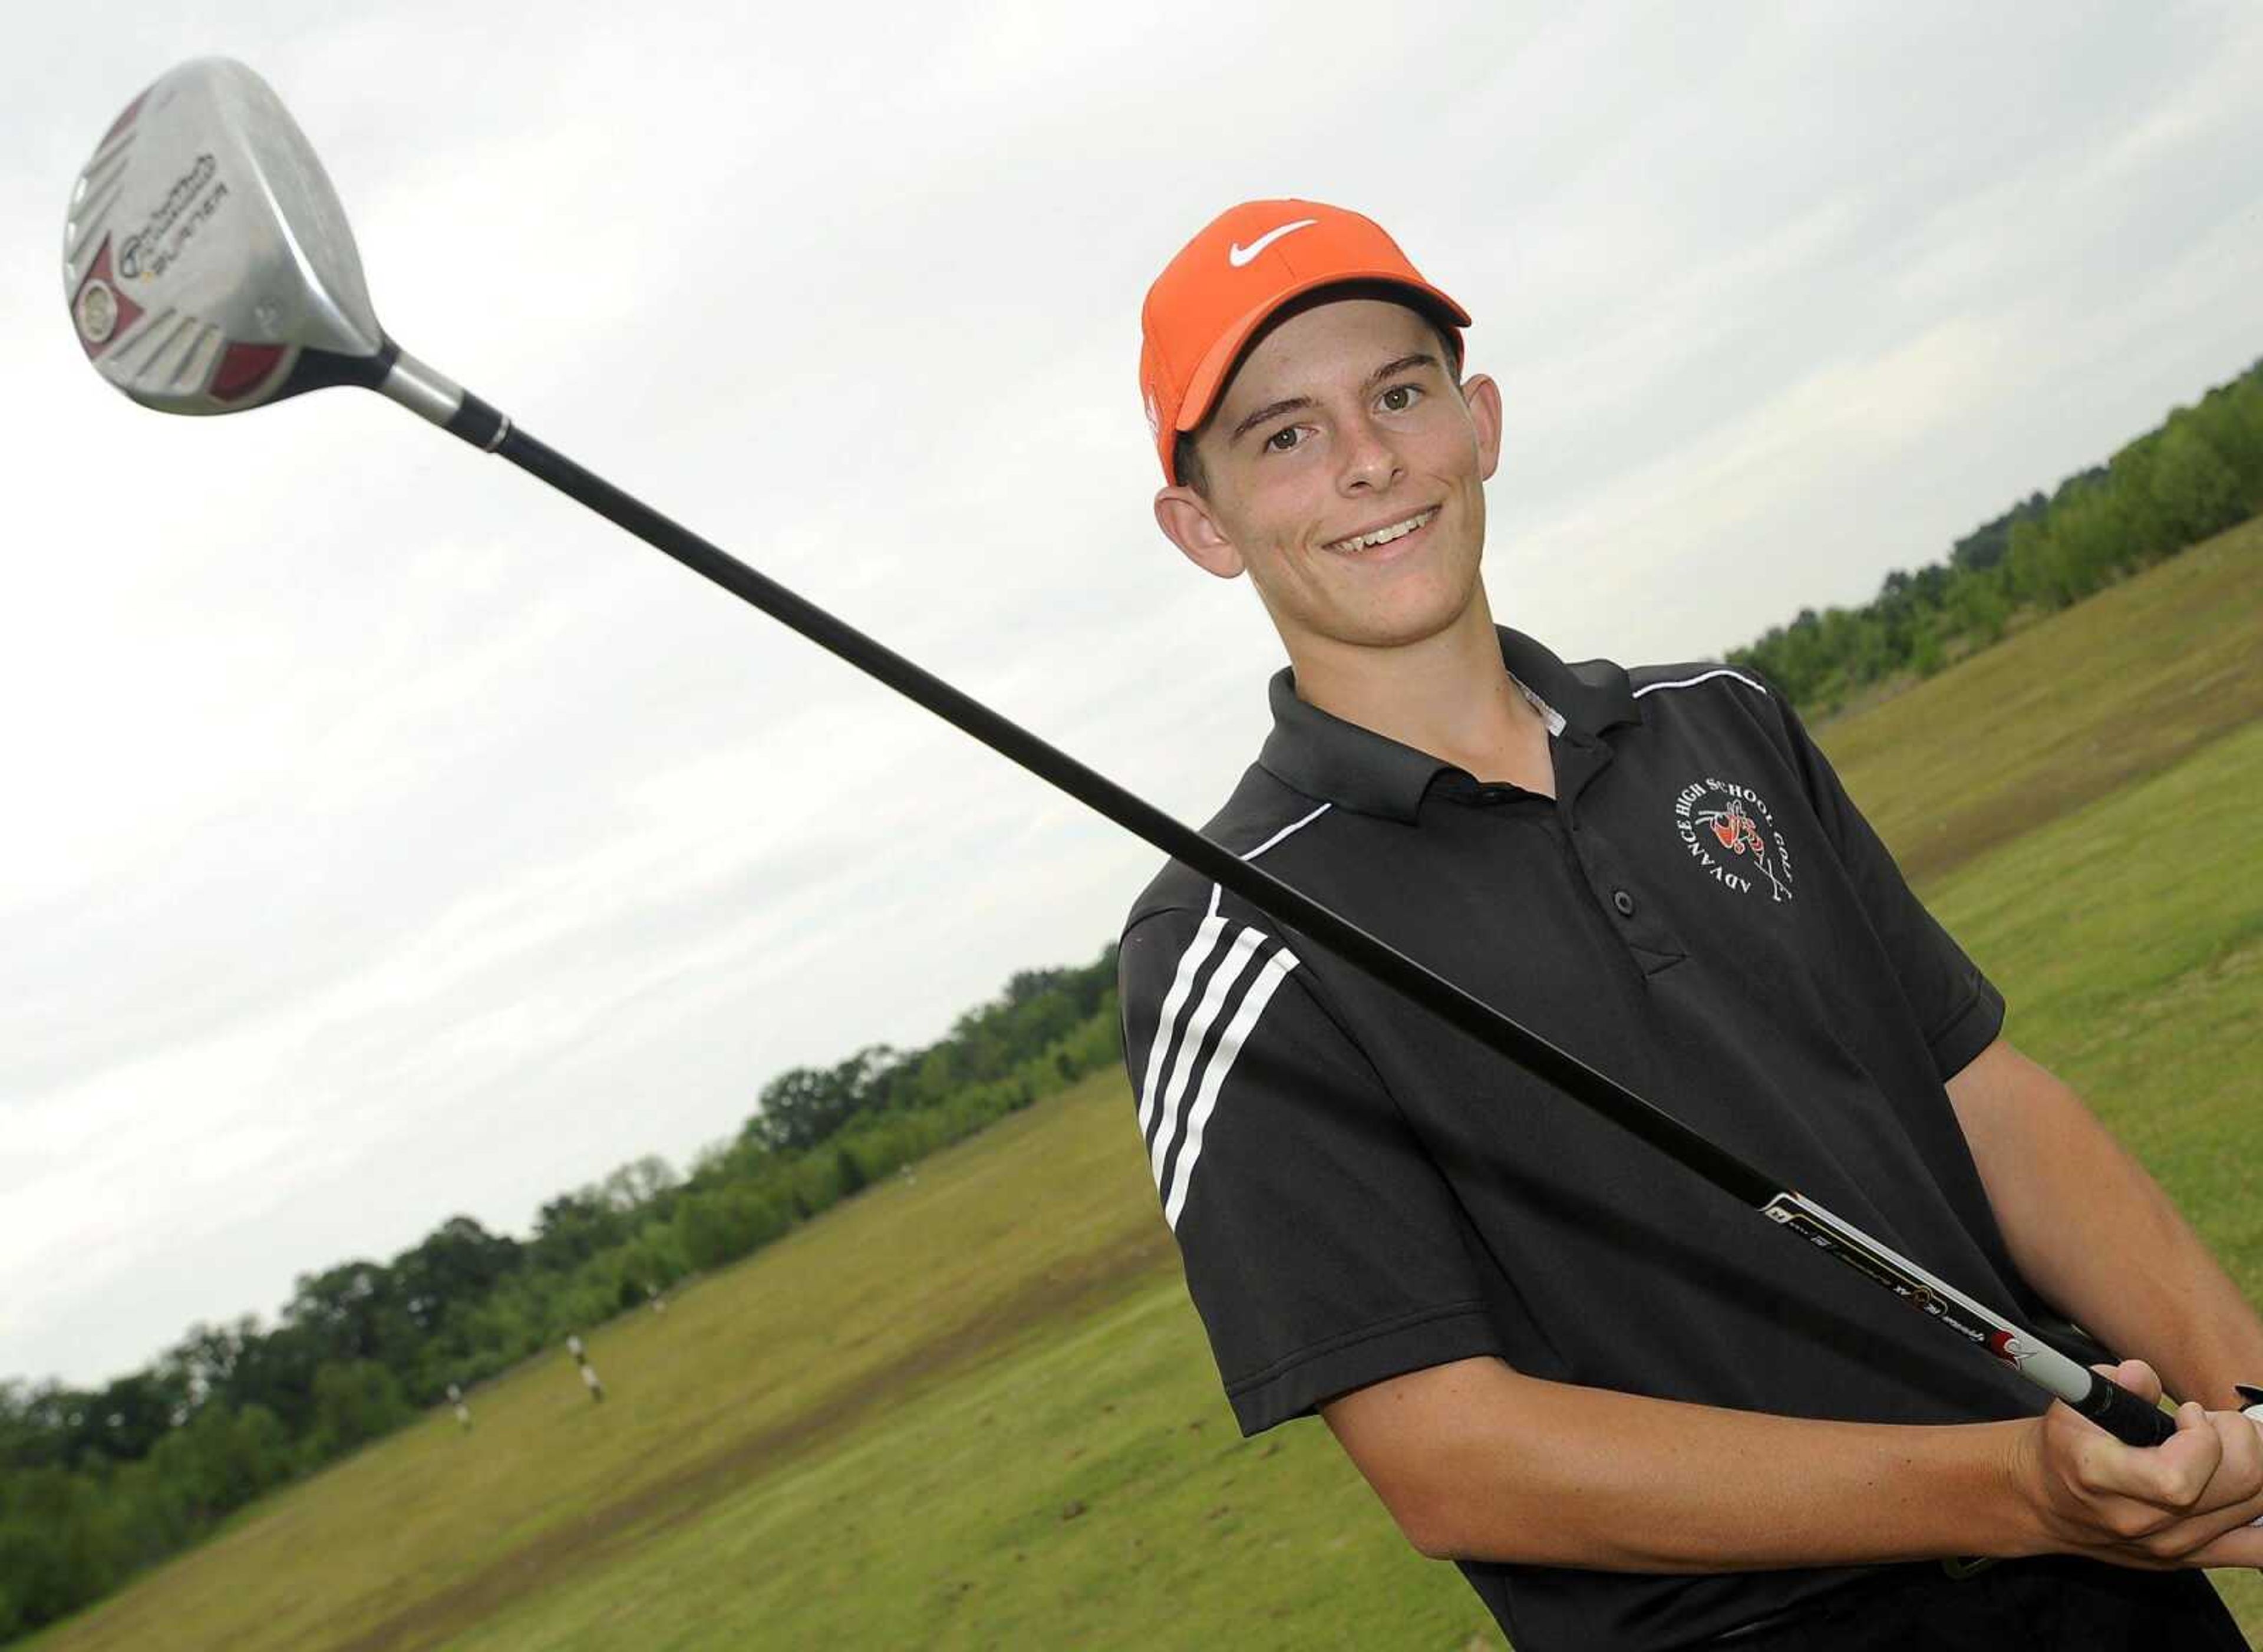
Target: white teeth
1384,536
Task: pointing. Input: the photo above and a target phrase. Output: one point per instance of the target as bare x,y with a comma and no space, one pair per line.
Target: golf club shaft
2112,1408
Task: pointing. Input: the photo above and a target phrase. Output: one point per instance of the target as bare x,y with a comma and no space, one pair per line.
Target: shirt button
1624,901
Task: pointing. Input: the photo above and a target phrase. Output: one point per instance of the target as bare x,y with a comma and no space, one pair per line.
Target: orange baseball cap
1246,263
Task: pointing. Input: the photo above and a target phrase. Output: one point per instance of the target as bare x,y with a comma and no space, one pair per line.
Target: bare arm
1476,1461
2096,1234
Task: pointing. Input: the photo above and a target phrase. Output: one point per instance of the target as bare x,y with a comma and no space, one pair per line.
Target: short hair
1187,464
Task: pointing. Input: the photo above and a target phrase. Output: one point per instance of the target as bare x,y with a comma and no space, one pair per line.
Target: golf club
209,269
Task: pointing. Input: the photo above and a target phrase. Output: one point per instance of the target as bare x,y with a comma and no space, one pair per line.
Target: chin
1398,629
1420,616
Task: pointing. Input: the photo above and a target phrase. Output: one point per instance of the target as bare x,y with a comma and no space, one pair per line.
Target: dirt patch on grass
1064,1294
2110,758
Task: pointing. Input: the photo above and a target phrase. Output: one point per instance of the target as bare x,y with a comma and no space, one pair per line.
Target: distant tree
2148,533
2231,418
460,1261
2198,494
35,1426
711,1161
2090,542
573,1227
1987,544
637,1183
1023,985
223,1459
2037,568
277,1371
132,1413
803,1105
353,1311
54,1553
354,1403
713,1227
207,1356
1976,605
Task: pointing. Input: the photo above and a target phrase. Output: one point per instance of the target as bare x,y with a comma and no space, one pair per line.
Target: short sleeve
1323,1249
1959,1009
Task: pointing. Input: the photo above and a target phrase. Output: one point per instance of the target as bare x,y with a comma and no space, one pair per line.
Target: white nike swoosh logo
1237,255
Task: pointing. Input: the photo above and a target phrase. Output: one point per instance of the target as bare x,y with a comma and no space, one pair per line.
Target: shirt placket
1612,883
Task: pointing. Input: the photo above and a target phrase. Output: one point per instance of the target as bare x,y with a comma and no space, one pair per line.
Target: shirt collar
1324,757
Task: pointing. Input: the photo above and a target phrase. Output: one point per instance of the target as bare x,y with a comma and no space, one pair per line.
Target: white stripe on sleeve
1190,1046
1190,963
1229,1046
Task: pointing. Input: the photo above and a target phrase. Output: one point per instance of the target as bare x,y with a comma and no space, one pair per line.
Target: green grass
2128,939
2115,689
1091,1494
977,1410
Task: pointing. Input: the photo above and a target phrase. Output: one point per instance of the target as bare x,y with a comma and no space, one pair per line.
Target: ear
1483,398
1186,519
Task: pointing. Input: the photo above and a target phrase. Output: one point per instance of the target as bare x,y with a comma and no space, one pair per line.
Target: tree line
97,1483
2198,473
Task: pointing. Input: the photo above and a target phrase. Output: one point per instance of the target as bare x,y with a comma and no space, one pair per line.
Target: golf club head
206,261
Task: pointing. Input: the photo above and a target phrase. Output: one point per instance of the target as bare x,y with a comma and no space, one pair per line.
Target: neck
1447,694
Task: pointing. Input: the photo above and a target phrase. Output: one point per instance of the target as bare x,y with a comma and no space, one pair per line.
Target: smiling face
1343,470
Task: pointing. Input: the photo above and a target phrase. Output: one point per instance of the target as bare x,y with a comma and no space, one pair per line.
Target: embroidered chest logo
1729,831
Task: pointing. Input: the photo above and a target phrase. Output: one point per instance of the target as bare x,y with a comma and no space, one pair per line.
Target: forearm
1550,1474
2095,1233
2153,1291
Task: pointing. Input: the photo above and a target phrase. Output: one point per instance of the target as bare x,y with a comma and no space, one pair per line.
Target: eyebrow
1272,411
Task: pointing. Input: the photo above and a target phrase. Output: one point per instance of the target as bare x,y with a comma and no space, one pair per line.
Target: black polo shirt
1358,1191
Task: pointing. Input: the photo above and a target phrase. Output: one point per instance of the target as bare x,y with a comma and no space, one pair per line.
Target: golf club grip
2123,1414
485,428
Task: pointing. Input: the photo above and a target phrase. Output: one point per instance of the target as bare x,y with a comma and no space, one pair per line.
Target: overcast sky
385,837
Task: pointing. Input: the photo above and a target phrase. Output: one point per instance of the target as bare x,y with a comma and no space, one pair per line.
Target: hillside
2117,688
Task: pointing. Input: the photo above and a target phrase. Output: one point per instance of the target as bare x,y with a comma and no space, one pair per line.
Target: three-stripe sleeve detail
1190,963
1187,1067
1183,1063
1214,1071
1190,1043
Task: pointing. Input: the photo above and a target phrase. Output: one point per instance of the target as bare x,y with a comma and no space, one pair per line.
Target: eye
1399,397
1288,438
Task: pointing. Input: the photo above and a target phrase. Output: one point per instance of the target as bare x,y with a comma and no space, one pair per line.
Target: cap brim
1211,373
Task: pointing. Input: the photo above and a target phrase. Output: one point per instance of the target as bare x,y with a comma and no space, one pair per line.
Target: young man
1634,1415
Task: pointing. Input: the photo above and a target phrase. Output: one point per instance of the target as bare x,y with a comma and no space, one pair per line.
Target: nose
1368,463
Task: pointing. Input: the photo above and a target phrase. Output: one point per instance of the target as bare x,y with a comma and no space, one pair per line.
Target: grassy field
975,1409
1034,1224
2111,690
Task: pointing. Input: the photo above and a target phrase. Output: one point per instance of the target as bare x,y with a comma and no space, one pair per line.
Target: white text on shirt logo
1714,815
